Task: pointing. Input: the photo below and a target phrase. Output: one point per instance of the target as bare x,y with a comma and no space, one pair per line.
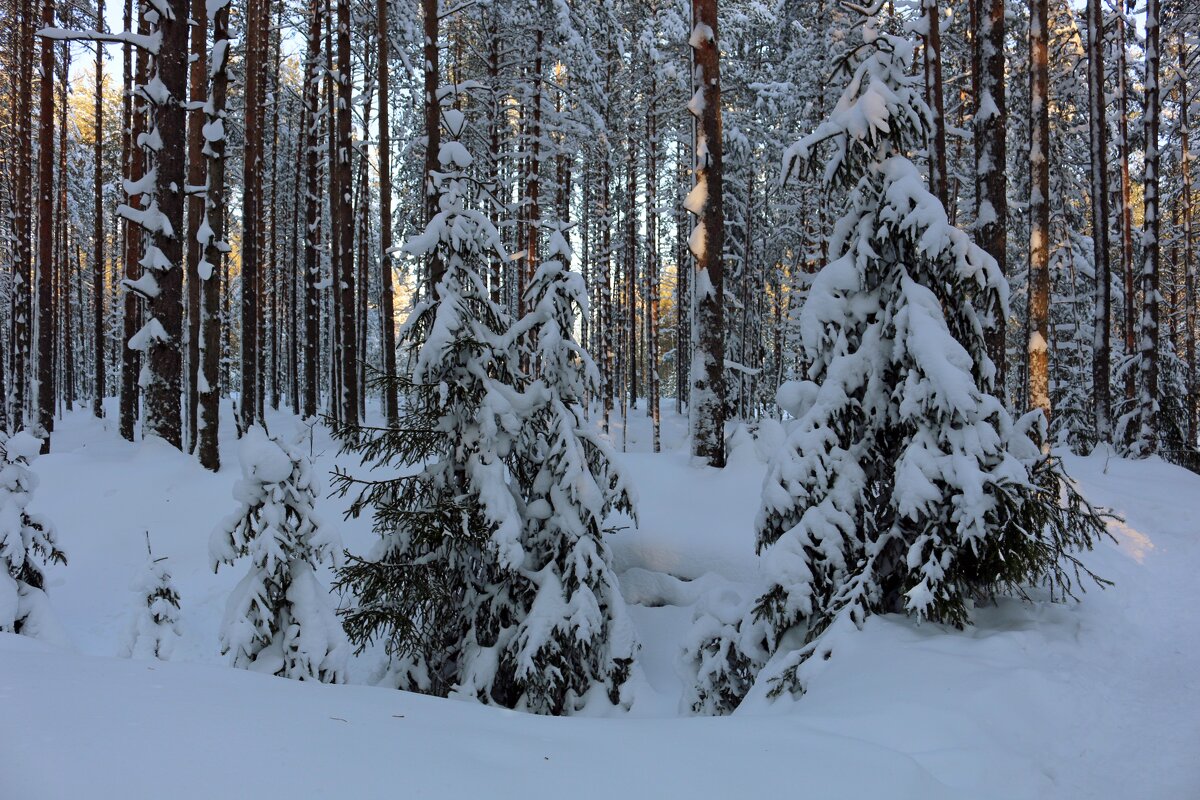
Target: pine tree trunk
312,210
1039,212
432,130
1148,356
164,359
64,368
495,120
1102,316
345,218
333,176
991,154
652,305
707,408
631,223
135,115
271,263
387,326
252,209
683,295
1126,207
22,284
607,318
533,169
195,207
215,262
934,96
1189,262
98,363
44,268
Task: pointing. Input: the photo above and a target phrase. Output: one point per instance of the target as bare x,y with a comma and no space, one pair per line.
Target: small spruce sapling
278,619
25,539
154,627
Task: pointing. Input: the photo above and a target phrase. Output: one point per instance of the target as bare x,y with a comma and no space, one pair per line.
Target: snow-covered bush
155,623
491,578
279,619
904,484
25,539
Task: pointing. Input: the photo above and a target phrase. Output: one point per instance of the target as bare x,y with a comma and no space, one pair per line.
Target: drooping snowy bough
25,539
491,578
154,626
279,619
904,484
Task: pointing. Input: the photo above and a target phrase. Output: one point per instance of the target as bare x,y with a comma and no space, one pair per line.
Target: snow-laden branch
148,42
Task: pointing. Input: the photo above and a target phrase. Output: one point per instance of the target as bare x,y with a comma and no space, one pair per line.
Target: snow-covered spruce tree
155,623
904,485
451,524
278,619
25,539
490,579
572,635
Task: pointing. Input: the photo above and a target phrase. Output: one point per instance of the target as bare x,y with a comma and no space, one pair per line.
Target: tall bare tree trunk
214,263
252,209
706,201
652,306
387,326
135,116
991,154
312,209
1102,318
1039,211
1126,205
98,338
164,354
1189,261
271,263
1148,357
64,332
433,131
934,96
344,219
195,207
22,284
44,267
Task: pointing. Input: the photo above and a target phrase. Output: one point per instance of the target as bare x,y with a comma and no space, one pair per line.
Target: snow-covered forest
599,398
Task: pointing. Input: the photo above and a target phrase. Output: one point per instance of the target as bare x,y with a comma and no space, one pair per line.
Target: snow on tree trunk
211,237
99,334
344,218
1189,260
1102,311
386,314
1038,348
1147,435
252,211
44,266
991,159
707,240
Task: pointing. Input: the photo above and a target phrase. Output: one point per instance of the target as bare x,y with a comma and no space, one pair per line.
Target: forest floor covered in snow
1099,699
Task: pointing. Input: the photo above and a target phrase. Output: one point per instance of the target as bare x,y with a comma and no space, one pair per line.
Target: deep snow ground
1093,700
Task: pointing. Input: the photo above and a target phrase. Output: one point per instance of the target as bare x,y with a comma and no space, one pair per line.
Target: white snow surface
1099,699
